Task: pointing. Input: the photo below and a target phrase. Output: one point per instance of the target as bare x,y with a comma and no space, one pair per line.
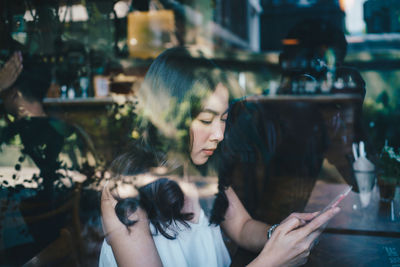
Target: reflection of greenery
389,164
126,124
122,120
59,151
380,118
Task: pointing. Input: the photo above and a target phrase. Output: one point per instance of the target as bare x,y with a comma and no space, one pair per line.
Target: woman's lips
208,152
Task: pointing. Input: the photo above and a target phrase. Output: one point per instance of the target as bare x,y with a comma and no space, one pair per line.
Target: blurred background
97,52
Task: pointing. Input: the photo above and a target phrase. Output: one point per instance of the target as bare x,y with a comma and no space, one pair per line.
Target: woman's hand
303,217
109,217
292,240
110,220
133,245
10,71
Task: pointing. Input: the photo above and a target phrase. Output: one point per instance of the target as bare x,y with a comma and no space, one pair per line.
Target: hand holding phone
335,202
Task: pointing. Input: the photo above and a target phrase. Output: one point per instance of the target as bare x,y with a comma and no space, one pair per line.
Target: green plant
121,122
378,117
389,165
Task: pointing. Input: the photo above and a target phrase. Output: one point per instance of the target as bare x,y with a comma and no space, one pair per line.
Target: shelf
326,98
97,101
88,101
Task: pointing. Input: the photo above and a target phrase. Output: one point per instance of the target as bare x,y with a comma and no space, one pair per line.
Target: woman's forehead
217,102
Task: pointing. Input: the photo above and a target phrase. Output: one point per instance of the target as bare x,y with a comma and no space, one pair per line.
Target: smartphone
335,202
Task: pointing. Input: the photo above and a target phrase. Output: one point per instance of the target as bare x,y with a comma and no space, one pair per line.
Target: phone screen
335,202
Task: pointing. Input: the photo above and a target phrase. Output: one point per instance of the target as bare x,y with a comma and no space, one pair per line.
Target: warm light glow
132,41
73,13
346,4
150,32
290,41
121,8
342,4
79,13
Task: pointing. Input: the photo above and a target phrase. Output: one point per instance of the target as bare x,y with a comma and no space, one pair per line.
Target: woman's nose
217,133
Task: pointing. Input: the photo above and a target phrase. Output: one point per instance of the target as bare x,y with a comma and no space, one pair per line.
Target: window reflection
311,80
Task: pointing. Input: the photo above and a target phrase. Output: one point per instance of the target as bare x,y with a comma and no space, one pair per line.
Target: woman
163,216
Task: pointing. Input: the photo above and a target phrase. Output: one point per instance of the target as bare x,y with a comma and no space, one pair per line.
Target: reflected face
208,128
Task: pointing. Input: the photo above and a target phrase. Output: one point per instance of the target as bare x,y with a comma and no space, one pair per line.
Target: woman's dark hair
163,201
170,97
34,80
251,133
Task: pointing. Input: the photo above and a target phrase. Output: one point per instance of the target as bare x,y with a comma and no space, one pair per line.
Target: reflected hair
34,80
163,201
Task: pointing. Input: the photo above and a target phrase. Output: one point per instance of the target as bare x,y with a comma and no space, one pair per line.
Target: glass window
287,103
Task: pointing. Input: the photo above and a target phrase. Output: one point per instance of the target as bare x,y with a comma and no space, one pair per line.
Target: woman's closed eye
206,121
206,118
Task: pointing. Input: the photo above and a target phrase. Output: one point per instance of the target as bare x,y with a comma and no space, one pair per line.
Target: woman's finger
306,216
107,197
109,219
319,221
303,257
312,238
288,225
106,191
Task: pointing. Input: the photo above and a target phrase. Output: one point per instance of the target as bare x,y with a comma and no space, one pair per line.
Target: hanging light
150,32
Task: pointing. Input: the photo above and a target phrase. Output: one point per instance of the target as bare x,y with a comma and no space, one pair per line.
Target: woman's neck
192,202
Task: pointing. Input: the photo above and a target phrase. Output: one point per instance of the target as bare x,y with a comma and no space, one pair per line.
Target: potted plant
388,172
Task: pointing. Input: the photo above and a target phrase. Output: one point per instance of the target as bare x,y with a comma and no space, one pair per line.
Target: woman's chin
199,161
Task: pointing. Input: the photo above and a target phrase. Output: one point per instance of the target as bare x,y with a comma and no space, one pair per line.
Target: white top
197,246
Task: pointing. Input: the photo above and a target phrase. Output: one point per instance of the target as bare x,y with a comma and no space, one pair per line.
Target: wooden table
356,236
372,220
355,250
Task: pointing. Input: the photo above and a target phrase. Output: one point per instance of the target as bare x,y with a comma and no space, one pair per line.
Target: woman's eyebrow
207,110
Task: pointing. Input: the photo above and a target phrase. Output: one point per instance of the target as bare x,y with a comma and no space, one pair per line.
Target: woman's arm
243,229
133,247
289,245
240,227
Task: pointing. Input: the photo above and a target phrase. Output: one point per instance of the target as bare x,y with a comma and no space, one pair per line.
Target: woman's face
207,129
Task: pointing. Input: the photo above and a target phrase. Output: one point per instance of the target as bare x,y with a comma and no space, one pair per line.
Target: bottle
84,82
71,92
84,85
63,89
